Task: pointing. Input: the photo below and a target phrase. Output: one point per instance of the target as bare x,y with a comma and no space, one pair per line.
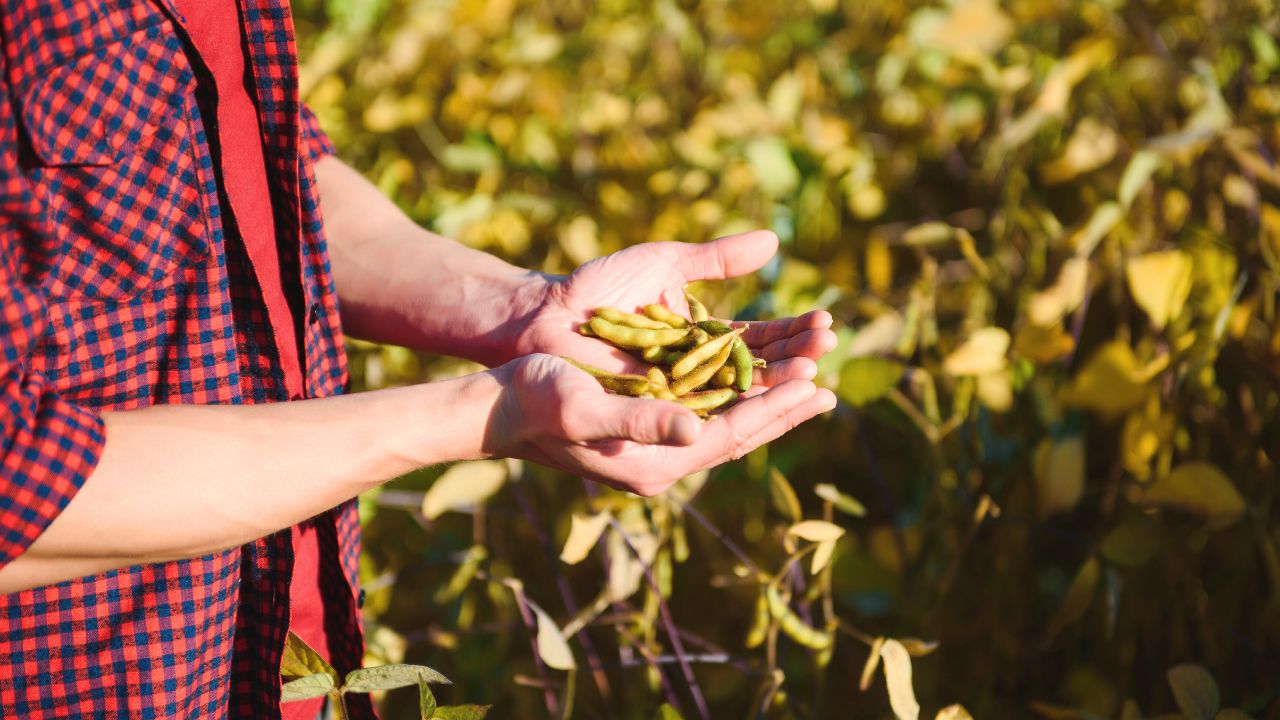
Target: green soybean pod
743,365
629,337
714,328
702,353
585,330
708,400
618,317
697,310
662,313
792,626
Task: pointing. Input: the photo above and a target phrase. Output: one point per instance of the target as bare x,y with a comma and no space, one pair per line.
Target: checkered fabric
119,289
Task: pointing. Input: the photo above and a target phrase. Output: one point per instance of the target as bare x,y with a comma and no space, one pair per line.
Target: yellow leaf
897,675
552,647
816,530
1111,381
584,531
1050,305
844,503
783,495
953,712
1202,489
917,647
464,484
1160,283
1090,146
873,662
1059,475
822,555
1195,691
995,390
1043,344
984,352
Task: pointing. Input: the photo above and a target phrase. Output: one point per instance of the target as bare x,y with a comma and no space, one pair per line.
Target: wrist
447,420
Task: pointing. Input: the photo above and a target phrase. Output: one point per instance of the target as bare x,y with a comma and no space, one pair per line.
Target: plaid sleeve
47,445
314,140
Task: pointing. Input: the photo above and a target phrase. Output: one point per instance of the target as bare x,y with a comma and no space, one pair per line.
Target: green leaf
426,700
844,503
1135,541
1195,691
863,380
299,661
307,687
388,677
1077,598
783,495
461,712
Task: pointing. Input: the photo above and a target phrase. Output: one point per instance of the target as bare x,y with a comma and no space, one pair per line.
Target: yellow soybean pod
629,337
702,353
697,310
708,400
702,374
662,313
618,317
656,377
725,376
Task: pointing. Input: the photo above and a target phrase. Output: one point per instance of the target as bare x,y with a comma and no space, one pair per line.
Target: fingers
816,404
601,416
724,436
723,258
797,368
762,334
810,344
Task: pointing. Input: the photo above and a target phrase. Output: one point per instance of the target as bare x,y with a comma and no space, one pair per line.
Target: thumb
651,422
725,257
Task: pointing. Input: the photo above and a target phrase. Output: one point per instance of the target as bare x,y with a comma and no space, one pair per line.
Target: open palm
658,273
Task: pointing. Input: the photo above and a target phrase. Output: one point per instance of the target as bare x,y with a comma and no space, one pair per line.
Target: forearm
182,481
401,284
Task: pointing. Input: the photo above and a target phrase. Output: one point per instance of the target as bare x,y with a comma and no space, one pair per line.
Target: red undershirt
215,30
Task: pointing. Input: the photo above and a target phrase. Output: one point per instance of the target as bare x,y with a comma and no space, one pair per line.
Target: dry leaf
842,502
552,647
873,662
783,496
982,353
1160,283
1110,382
463,485
897,675
584,532
1195,691
953,712
1059,475
816,531
822,555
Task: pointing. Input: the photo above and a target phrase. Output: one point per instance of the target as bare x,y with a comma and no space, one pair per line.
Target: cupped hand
657,273
557,415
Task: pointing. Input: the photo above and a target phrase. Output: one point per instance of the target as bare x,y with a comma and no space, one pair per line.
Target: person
178,461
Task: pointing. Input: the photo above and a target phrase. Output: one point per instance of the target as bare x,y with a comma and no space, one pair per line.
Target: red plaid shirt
119,290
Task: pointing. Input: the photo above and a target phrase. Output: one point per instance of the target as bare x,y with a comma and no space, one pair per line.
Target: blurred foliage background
1049,231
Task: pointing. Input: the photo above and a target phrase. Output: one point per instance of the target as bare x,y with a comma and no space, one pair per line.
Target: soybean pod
702,353
743,365
618,317
792,626
697,310
662,313
629,337
725,376
701,374
708,400
632,385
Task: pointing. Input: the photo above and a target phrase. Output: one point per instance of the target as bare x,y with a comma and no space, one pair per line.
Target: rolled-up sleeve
314,140
47,446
